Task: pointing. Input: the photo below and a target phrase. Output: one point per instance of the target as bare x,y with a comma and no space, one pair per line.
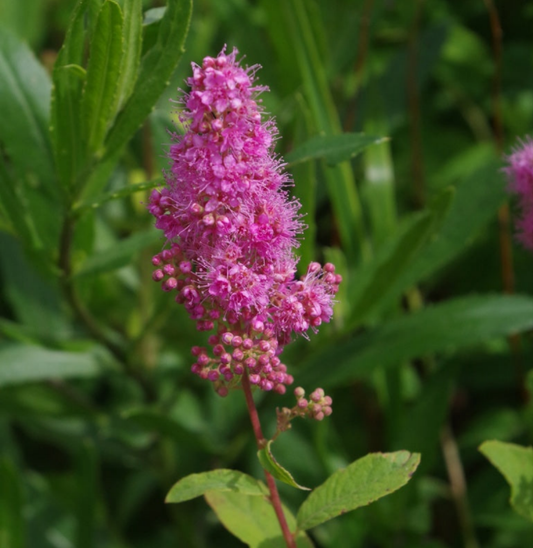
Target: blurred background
92,439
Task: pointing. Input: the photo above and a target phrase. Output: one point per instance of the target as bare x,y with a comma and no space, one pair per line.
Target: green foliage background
99,414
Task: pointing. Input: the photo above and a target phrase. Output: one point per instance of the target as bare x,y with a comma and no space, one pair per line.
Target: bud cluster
317,406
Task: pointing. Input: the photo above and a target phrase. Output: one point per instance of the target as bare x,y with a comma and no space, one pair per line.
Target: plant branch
271,482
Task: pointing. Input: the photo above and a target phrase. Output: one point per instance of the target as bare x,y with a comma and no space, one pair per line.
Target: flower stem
271,482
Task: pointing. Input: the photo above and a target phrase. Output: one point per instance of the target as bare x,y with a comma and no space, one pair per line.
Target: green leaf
476,202
118,255
378,190
26,363
27,190
456,324
98,201
375,280
302,541
100,94
332,148
252,519
305,186
156,69
340,182
66,100
270,464
25,108
361,483
516,465
132,33
11,510
196,485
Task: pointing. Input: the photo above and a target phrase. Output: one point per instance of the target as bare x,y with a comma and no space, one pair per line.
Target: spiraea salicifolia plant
231,228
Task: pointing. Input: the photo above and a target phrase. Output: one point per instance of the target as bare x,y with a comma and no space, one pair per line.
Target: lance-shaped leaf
156,69
65,120
25,108
270,464
476,202
100,94
28,190
132,33
196,485
516,465
117,255
361,483
99,201
378,189
375,279
339,178
332,148
25,363
453,325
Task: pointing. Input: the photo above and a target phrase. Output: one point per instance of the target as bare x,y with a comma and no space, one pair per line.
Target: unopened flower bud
213,375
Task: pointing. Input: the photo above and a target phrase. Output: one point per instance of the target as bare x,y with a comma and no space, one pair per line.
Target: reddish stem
271,482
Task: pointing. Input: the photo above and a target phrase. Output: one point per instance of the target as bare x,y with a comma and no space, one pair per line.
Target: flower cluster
232,228
520,175
316,407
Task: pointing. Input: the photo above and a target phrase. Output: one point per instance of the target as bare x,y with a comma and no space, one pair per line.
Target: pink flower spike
232,229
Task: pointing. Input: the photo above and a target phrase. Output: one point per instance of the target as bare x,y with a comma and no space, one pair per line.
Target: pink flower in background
520,175
231,227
